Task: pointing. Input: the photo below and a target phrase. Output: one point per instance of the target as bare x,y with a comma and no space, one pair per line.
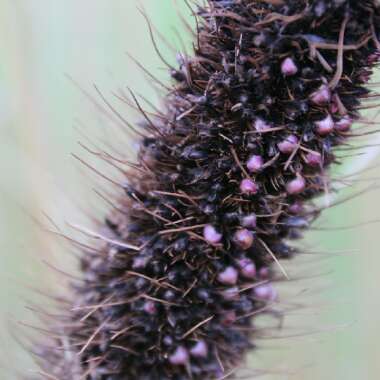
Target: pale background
42,41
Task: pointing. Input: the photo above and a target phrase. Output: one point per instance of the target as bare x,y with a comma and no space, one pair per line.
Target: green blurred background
42,118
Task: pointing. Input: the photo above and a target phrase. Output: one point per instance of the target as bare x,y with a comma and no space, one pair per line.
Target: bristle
242,147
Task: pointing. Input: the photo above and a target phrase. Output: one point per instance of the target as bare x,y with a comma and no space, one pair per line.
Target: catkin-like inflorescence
223,181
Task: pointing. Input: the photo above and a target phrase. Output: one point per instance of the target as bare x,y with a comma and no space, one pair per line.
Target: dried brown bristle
224,180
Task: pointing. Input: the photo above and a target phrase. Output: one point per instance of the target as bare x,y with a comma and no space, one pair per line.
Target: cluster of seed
223,182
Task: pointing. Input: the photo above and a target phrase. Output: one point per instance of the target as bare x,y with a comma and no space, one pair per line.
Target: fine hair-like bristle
223,182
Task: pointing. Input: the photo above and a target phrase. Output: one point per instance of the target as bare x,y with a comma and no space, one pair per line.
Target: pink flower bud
264,273
296,208
296,186
325,126
243,238
265,292
261,125
248,187
179,357
229,276
255,163
247,268
230,294
313,159
249,221
212,235
150,307
344,124
229,318
322,96
288,67
288,145
199,350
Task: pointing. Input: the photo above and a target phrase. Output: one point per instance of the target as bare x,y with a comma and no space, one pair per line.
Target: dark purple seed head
325,126
199,350
179,357
211,235
244,238
288,145
322,96
248,187
249,221
313,159
228,276
296,186
255,163
288,67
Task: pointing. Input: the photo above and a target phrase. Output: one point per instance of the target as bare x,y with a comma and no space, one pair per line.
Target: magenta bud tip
344,124
247,268
211,234
261,125
150,307
229,318
313,159
288,145
265,292
179,357
249,221
230,294
322,96
296,208
255,163
325,126
296,186
199,350
288,67
247,186
243,238
229,276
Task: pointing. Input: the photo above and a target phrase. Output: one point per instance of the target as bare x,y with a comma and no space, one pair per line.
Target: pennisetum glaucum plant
225,179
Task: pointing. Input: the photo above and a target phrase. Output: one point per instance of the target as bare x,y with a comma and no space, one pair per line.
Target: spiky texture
222,183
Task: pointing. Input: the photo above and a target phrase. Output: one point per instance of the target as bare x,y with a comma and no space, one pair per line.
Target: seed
344,124
261,125
150,307
248,187
296,186
212,235
322,96
288,145
313,159
255,163
230,294
249,221
265,292
229,276
200,349
243,238
288,67
247,268
179,357
296,208
325,126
